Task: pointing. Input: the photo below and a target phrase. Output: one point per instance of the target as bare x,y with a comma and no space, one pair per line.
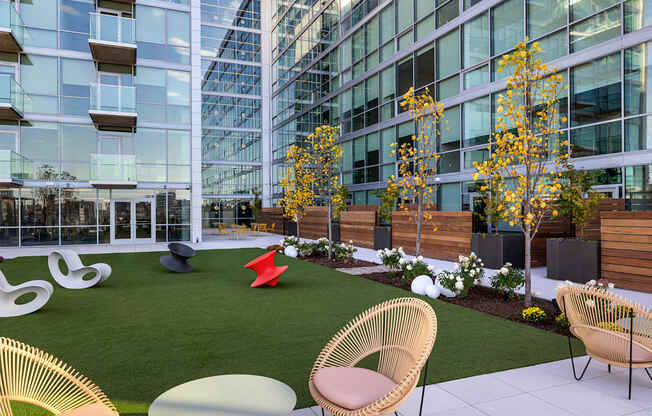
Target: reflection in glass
595,90
596,140
599,28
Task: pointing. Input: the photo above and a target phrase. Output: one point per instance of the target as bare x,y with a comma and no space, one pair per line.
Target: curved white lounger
9,294
76,270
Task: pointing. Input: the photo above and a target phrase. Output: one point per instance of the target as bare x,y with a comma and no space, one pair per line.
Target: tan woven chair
29,375
402,331
614,330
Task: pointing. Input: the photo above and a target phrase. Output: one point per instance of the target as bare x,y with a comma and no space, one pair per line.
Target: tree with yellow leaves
326,155
417,159
526,157
297,183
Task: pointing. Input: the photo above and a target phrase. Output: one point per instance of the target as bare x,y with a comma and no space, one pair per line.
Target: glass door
132,221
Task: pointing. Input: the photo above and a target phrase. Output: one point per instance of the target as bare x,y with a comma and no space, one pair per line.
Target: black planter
573,259
497,249
292,228
382,238
335,232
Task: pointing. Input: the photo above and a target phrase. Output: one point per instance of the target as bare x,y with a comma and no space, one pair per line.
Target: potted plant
494,248
574,258
383,231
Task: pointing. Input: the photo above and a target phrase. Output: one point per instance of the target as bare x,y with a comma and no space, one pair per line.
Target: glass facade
198,126
370,53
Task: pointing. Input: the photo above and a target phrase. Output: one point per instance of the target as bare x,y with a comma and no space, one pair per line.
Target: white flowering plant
451,280
319,247
470,269
391,258
508,280
415,267
290,241
343,252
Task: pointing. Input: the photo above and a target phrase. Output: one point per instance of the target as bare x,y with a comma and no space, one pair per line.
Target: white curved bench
76,270
9,294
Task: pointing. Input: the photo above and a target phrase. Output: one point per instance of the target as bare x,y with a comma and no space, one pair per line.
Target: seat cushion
351,387
602,344
95,409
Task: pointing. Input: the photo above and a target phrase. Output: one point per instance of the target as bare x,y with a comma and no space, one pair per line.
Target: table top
227,395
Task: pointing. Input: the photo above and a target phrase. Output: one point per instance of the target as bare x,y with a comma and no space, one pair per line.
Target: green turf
146,329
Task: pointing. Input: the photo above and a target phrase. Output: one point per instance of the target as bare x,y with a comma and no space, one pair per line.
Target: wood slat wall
626,245
452,238
358,226
592,227
314,223
271,216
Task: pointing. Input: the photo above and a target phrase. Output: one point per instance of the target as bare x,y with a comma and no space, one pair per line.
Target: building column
195,93
266,110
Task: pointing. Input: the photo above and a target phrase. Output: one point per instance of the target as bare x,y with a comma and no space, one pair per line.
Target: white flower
350,241
401,261
472,272
456,266
590,303
472,255
504,270
420,258
460,257
459,285
429,268
611,285
590,283
409,267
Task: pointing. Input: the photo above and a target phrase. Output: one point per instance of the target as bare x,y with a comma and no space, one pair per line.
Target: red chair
267,272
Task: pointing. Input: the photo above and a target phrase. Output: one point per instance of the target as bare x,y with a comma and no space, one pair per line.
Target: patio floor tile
521,404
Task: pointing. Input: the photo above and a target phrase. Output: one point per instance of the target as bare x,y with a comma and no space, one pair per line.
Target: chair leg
631,344
609,368
570,349
322,411
423,388
648,373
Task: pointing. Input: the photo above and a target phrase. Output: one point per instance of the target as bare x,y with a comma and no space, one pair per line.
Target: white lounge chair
9,294
76,270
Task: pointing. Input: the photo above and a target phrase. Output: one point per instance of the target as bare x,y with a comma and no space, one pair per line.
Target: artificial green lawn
146,330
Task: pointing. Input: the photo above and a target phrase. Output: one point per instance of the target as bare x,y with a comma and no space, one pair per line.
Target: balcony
113,171
113,107
12,29
112,39
14,168
12,98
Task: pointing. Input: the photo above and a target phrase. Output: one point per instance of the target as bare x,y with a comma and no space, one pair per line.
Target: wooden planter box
573,259
382,237
497,249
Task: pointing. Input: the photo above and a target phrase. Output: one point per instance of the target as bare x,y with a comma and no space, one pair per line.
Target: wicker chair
402,331
31,376
614,330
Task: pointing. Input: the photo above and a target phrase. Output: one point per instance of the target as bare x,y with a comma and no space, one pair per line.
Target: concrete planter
573,259
382,237
335,232
497,249
292,228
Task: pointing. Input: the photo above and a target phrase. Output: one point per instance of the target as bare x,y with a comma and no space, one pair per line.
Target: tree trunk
528,265
298,233
330,226
419,209
489,227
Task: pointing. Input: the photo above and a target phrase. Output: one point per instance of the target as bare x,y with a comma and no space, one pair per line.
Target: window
450,197
447,12
507,25
165,35
405,12
476,40
584,8
388,90
597,29
638,94
76,77
448,88
424,8
449,129
39,78
477,121
544,17
448,54
404,75
476,77
638,134
554,46
425,68
387,24
596,140
638,14
595,90
449,162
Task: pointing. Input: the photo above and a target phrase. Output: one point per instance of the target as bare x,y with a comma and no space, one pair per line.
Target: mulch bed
336,264
480,298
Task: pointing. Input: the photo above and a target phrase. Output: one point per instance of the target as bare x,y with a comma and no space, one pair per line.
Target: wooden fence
358,226
271,216
314,223
592,227
626,244
452,238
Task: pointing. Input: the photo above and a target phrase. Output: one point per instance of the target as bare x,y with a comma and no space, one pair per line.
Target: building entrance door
132,221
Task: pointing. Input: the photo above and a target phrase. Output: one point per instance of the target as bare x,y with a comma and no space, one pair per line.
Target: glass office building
153,120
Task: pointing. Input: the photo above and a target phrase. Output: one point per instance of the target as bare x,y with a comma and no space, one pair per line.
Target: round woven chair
402,331
32,376
614,330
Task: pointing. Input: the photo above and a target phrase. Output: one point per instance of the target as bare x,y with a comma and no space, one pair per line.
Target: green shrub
508,279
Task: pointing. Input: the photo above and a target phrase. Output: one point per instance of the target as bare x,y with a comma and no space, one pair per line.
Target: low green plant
577,199
344,252
451,281
391,258
388,198
508,279
534,314
290,241
562,320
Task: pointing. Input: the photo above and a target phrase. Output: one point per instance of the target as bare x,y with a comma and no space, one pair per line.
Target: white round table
227,395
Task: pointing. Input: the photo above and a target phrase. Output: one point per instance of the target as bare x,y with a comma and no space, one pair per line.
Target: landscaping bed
338,264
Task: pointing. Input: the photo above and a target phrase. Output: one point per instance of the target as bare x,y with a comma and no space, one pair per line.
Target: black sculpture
177,260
